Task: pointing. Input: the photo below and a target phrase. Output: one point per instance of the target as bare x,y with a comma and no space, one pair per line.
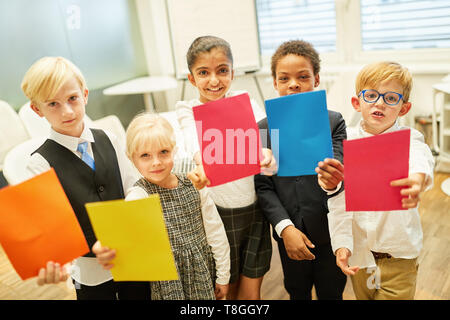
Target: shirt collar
70,142
363,133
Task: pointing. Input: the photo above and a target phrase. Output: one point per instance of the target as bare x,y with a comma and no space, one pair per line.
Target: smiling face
294,74
212,74
65,110
378,116
155,162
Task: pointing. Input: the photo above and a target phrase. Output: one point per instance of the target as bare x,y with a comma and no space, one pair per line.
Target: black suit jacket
300,198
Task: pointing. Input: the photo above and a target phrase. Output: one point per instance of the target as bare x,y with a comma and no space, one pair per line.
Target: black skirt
248,233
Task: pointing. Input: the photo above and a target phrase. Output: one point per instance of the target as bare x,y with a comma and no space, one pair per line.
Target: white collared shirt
236,194
86,270
398,232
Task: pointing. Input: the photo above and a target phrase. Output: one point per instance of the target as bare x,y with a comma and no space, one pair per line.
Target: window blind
309,20
405,24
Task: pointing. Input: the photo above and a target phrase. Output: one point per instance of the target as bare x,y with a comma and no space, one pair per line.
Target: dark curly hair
299,48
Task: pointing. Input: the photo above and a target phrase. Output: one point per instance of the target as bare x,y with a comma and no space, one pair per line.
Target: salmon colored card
136,230
229,139
38,224
370,165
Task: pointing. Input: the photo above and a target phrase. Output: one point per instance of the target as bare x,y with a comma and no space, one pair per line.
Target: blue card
299,129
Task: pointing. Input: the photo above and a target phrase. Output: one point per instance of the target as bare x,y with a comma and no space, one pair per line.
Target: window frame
349,45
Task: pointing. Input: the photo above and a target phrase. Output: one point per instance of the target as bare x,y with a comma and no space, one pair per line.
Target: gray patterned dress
193,256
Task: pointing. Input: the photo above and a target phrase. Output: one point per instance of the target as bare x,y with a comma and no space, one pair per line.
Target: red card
37,225
370,165
229,139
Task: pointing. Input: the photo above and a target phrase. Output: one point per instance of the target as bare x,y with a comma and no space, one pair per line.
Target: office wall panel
101,37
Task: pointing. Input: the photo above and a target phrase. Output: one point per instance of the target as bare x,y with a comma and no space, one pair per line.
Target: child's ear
405,109
316,80
86,94
232,74
192,79
275,85
34,107
355,103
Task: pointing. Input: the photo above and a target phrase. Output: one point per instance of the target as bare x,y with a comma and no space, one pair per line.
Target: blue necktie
82,148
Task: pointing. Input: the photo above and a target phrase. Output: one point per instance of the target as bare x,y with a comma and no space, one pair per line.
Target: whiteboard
232,20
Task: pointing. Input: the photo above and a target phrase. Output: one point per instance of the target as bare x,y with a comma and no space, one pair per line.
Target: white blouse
235,194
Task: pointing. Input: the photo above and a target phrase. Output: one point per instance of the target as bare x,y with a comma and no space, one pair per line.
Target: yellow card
136,230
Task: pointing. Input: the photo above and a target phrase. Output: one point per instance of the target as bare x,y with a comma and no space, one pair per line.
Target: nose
67,109
380,102
156,161
213,80
293,85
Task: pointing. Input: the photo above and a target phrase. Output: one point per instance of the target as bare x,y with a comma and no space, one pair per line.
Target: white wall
338,72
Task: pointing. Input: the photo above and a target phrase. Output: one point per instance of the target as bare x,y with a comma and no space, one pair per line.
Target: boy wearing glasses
379,250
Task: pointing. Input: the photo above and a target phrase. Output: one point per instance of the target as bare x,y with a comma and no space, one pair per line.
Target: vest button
101,189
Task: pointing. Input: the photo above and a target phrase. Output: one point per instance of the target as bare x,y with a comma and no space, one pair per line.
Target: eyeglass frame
380,95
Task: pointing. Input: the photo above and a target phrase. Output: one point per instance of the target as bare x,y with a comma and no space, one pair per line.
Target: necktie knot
82,148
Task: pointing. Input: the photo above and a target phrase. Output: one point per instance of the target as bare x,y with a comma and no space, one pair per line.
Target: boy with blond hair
90,164
379,250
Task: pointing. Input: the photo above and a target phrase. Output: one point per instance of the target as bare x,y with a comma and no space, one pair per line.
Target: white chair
17,159
35,125
12,131
112,124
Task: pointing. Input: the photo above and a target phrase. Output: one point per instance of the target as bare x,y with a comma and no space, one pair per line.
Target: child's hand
221,291
198,177
329,173
104,255
53,273
268,164
415,182
296,244
342,255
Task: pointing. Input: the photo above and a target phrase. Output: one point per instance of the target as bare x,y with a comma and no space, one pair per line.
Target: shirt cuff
330,192
338,242
223,280
281,225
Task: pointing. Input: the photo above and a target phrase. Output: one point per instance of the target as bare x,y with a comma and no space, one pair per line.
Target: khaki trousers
392,279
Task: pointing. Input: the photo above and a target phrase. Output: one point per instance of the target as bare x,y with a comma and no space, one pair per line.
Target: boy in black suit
296,207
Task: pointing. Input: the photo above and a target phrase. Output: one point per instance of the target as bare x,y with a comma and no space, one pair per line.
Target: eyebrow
219,66
299,71
73,93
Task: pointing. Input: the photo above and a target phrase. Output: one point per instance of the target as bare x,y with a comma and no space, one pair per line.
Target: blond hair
47,75
371,76
148,129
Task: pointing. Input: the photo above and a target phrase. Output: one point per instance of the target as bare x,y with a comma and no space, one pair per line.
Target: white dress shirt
214,230
86,270
236,194
398,232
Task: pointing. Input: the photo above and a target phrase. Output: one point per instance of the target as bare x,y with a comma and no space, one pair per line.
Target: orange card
38,224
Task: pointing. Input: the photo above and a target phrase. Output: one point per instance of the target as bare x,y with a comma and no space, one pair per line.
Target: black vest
80,183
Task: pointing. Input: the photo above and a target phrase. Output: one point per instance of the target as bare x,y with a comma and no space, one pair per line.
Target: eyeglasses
390,98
